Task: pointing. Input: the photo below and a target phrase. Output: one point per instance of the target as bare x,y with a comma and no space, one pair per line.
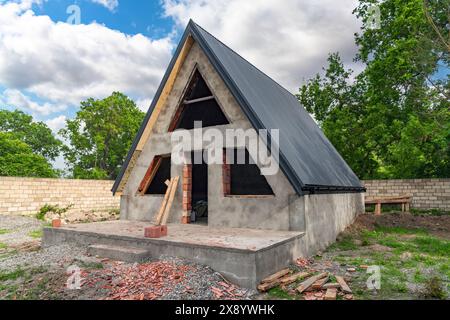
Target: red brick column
226,175
187,193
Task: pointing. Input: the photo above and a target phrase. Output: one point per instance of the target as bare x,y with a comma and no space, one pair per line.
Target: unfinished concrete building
246,224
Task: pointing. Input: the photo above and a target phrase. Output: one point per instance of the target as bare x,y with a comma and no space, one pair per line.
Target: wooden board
165,92
331,285
330,294
164,204
173,189
344,287
158,107
319,283
294,277
276,276
148,177
263,287
310,281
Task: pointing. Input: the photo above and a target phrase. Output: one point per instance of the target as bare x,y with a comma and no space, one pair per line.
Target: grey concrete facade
320,216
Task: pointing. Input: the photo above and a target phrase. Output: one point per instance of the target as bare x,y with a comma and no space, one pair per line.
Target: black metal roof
307,157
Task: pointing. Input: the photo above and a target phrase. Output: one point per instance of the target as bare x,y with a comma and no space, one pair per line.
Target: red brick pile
146,281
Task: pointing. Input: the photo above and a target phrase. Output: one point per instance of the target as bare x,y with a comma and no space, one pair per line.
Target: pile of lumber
316,286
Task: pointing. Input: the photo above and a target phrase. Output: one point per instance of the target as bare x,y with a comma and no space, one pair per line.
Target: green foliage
55,209
393,119
100,136
35,134
17,159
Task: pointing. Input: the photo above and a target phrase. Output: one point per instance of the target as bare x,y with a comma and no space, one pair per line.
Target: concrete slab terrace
244,256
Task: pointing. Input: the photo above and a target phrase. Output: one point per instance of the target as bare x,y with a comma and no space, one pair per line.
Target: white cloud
288,39
143,104
15,98
109,4
64,64
56,123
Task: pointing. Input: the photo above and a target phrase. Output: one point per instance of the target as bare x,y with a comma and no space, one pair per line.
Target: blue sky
131,17
48,66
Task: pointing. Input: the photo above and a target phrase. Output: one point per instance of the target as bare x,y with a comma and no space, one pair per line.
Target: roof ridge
251,64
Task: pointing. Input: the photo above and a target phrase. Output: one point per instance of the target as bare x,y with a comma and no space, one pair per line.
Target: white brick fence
426,193
28,195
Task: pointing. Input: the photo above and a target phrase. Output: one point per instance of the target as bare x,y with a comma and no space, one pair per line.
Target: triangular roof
307,158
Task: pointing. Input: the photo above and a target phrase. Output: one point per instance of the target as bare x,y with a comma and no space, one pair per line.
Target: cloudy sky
49,63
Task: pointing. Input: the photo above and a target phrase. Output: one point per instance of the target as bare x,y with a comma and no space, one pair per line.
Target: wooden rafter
150,174
165,92
199,100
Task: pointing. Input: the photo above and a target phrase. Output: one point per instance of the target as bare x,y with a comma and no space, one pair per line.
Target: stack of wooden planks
319,282
163,214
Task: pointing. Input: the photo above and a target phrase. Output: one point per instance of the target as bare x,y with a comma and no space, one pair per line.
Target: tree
100,136
17,159
392,120
35,134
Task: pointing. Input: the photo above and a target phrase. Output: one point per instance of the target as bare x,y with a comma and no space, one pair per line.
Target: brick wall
426,193
28,195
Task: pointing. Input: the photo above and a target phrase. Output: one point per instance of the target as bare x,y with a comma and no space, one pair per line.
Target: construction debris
345,288
276,276
292,278
309,282
330,294
319,283
331,285
315,286
155,280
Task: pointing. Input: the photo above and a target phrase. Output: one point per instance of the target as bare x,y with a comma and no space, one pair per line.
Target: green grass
91,265
13,275
3,245
4,231
346,243
400,230
280,294
36,234
431,212
413,251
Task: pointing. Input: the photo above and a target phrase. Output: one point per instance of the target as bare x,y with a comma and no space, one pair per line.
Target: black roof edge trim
253,118
323,189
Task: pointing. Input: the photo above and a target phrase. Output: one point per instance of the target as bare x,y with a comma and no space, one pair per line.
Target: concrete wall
426,193
264,213
323,217
28,195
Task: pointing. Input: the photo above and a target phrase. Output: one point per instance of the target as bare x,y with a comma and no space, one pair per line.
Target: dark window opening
246,179
199,192
158,185
198,105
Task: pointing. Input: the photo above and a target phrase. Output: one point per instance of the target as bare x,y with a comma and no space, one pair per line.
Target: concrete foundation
244,256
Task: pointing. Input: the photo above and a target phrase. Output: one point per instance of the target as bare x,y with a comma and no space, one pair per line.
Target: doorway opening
199,199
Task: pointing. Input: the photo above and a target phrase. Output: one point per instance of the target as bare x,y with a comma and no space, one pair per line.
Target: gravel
17,229
55,256
199,283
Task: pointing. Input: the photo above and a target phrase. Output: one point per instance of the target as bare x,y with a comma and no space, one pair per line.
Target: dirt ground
412,253
435,225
